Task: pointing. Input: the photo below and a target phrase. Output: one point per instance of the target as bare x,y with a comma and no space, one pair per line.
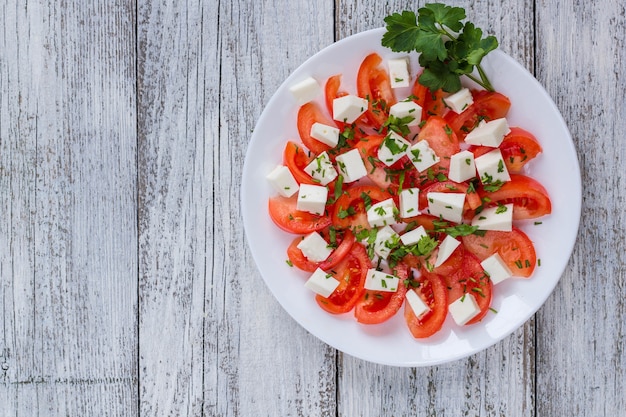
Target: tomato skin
431,103
434,293
285,215
530,199
351,197
487,105
298,259
309,114
295,158
518,148
376,307
441,139
373,83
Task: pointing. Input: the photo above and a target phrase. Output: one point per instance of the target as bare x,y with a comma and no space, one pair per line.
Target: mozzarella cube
495,218
446,248
491,168
312,199
306,90
322,283
351,166
409,202
414,236
496,268
386,240
462,166
328,135
460,100
422,156
407,108
314,247
348,108
381,281
488,134
416,303
464,309
448,206
399,72
283,181
382,213
321,169
393,148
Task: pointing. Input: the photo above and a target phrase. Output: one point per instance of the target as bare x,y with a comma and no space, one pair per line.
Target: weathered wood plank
68,235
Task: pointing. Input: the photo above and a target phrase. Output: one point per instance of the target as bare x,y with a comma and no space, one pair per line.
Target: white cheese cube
399,72
314,247
414,236
312,199
382,213
416,303
495,218
386,240
460,100
496,268
381,281
489,134
446,248
407,108
283,181
351,166
306,90
422,156
328,135
322,283
462,166
464,309
409,202
348,108
449,206
393,148
321,169
491,168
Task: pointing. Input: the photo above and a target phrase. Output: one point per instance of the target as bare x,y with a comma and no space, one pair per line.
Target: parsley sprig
448,47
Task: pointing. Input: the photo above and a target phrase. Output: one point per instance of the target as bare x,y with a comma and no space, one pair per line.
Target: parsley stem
484,78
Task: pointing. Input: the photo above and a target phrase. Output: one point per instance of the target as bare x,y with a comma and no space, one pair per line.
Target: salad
409,199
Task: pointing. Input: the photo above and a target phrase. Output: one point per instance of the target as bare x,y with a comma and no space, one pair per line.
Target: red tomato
515,248
300,261
296,158
376,307
530,200
431,103
487,106
332,92
441,139
351,200
472,200
518,147
373,83
284,213
309,114
379,173
351,273
433,292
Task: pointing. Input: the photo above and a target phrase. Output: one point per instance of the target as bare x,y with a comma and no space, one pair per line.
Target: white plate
390,343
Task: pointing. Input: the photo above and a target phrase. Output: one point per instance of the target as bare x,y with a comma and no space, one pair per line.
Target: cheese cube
422,156
414,236
351,166
495,218
496,268
464,309
321,169
328,135
312,199
462,166
322,283
283,181
449,206
407,108
306,90
491,168
348,108
381,281
460,100
386,240
488,134
446,248
399,72
409,202
314,247
416,303
393,148
382,213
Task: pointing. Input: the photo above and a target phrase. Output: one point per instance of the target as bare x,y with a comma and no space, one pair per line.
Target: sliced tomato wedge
296,158
441,139
285,215
530,199
518,148
349,209
431,102
472,199
300,261
373,83
387,177
309,114
376,307
487,106
433,292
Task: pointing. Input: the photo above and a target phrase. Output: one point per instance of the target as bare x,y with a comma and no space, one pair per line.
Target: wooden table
126,284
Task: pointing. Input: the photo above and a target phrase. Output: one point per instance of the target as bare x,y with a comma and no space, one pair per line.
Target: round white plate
515,300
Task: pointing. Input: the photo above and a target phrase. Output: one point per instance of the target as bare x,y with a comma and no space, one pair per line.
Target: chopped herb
501,209
289,262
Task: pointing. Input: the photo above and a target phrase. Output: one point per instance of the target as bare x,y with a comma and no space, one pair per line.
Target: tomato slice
433,291
300,261
285,215
530,199
515,248
431,102
349,209
472,200
441,139
518,148
351,273
487,106
376,307
296,158
309,114
373,83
